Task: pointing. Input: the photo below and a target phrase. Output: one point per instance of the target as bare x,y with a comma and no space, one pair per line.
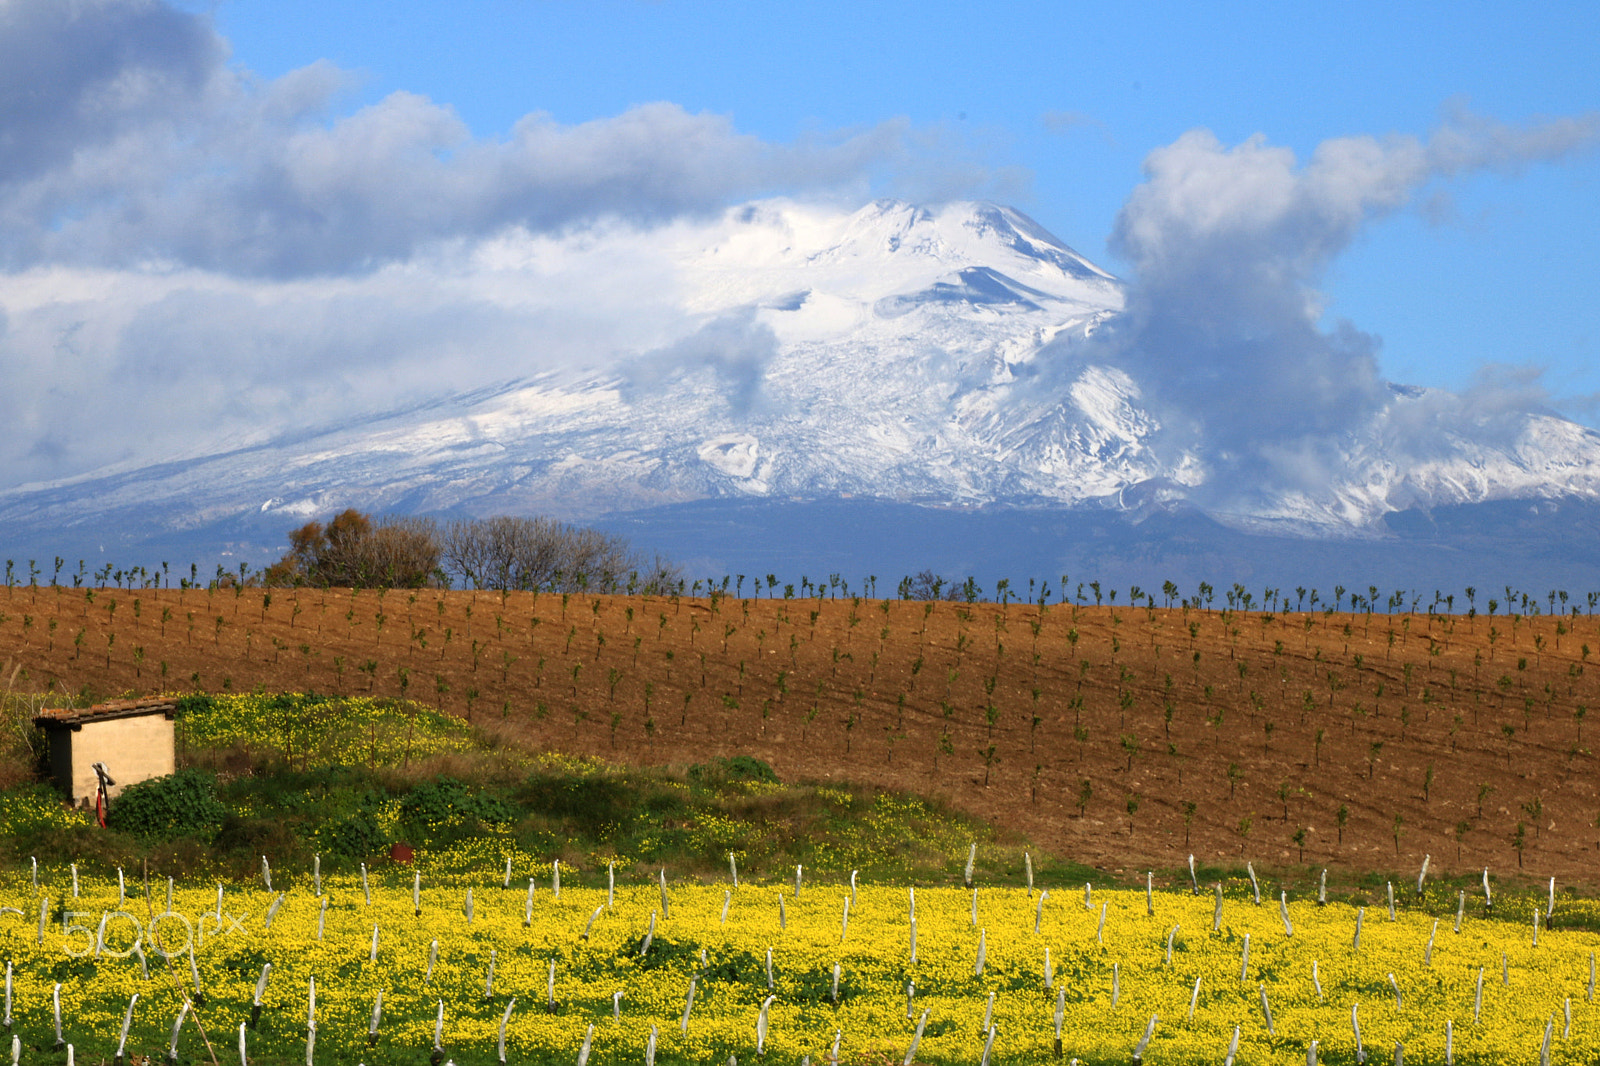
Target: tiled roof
101,712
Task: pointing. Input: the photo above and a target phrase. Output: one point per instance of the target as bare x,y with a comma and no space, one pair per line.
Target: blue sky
1059,103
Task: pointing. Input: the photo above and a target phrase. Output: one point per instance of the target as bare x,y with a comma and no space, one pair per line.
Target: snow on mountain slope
907,353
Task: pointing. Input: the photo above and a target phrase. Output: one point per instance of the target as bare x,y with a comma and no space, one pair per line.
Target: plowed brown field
1004,711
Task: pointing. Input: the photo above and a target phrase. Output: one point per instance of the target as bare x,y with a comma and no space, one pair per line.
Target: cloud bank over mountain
196,259
1229,245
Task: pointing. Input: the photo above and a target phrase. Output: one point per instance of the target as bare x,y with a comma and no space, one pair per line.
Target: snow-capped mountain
929,355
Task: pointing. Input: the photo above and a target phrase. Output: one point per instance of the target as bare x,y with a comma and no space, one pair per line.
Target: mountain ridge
945,355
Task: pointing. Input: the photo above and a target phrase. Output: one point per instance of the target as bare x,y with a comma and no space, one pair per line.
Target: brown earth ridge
1438,734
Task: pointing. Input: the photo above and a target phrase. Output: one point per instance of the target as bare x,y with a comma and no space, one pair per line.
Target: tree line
503,553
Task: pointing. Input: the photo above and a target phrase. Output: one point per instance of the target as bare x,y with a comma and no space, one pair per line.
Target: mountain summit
949,355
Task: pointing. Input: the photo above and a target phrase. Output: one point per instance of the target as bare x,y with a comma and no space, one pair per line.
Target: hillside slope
1437,734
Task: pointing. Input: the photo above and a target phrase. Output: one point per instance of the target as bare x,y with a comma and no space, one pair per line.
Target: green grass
344,778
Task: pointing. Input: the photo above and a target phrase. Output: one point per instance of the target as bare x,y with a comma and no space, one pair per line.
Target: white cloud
1224,322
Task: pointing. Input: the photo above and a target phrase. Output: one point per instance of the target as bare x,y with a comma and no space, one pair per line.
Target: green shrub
738,768
359,835
444,807
183,804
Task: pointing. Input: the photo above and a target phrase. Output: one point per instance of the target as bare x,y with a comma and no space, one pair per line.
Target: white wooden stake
127,1020
1144,1041
988,1045
761,1025
272,911
504,1020
649,936
916,1039
688,1005
177,1025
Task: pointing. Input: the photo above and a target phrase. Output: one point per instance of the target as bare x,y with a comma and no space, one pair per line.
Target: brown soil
1002,711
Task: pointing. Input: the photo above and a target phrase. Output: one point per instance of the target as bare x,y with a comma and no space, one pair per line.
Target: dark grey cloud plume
1224,323
736,348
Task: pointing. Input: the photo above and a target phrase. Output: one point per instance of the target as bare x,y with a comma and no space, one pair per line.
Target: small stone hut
136,739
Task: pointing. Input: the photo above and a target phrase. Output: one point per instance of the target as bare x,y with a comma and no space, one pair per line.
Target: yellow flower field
1109,978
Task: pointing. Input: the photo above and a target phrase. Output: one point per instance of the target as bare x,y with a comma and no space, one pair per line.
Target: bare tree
507,552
